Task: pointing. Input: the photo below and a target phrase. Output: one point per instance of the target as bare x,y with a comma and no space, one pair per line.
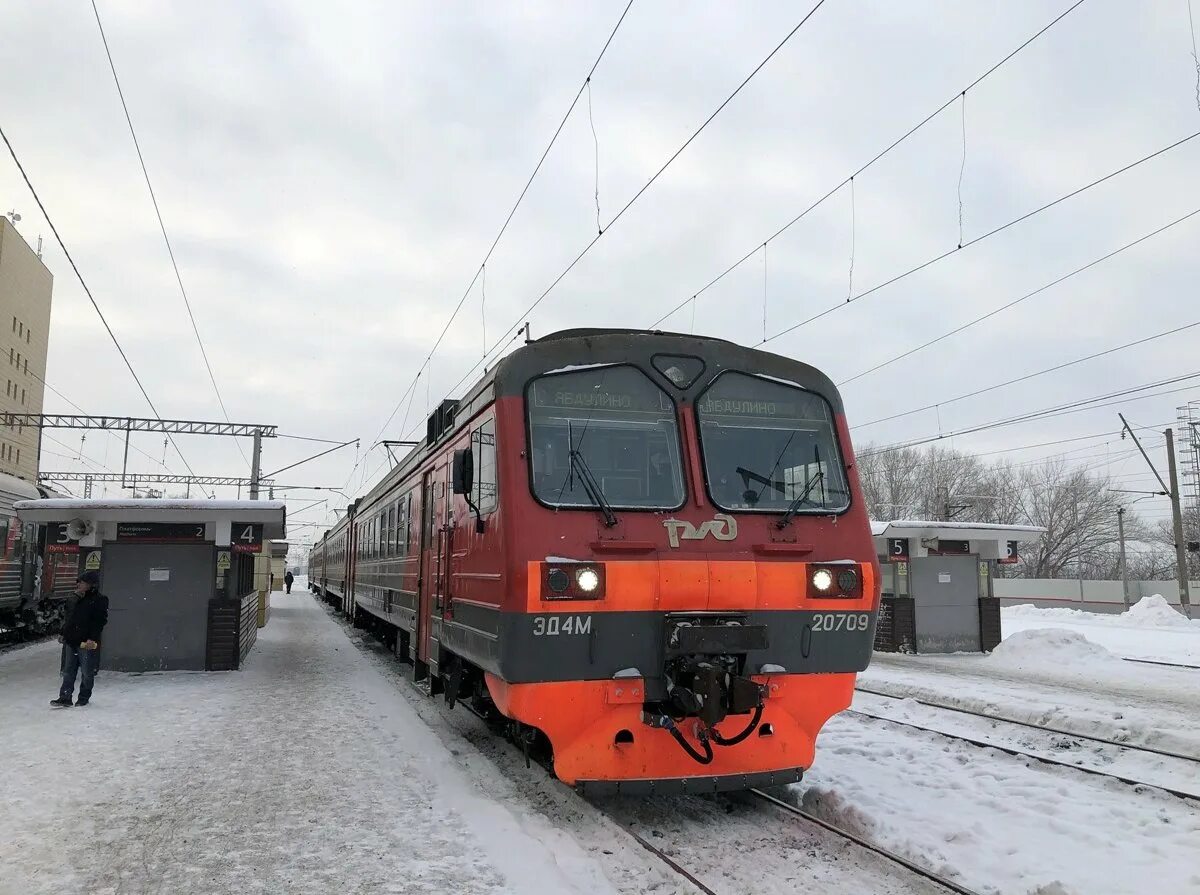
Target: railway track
1161,662
1045,728
1044,759
925,873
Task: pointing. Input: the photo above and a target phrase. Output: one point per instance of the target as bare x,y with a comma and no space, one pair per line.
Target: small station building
178,574
937,594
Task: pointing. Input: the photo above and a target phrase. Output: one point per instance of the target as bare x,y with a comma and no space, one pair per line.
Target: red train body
648,551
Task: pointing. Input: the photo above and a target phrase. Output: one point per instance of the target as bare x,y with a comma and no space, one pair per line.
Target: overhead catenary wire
87,291
862,168
1093,403
161,224
1017,301
524,315
512,212
1028,376
990,233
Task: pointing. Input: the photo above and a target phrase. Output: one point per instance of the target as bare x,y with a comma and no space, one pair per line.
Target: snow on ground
1150,629
1011,824
1004,824
307,772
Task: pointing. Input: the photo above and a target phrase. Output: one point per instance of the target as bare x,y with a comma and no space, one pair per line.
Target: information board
173,532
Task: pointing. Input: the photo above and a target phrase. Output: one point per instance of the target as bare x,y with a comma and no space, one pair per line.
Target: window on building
22,396
20,328
26,365
27,336
14,323
11,354
18,456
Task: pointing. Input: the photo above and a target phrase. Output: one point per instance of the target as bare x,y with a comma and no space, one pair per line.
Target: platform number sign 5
246,537
1010,553
897,549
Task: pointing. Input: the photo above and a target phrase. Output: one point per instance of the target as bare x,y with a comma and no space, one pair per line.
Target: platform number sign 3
246,537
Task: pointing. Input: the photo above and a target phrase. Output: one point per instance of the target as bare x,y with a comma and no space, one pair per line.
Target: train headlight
587,579
822,581
558,581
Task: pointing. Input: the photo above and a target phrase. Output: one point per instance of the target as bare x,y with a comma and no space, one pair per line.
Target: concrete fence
1093,596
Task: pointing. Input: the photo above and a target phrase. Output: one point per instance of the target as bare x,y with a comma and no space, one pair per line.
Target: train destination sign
173,532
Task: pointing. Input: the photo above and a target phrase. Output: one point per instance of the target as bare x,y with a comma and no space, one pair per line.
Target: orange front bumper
582,720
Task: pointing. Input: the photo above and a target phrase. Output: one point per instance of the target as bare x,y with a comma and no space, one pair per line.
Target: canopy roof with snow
105,512
988,540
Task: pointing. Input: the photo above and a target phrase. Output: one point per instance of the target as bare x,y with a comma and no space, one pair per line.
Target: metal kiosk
937,583
179,574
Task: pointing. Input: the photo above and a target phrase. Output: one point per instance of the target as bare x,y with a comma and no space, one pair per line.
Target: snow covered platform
309,771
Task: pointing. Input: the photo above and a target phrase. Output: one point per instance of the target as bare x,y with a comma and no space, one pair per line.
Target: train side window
483,443
408,501
391,545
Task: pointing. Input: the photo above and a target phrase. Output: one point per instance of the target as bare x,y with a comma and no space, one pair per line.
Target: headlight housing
835,581
571,580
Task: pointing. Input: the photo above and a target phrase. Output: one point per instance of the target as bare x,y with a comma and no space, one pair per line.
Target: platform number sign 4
246,537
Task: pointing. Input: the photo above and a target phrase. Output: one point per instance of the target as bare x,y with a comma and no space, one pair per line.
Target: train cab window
483,446
769,446
609,424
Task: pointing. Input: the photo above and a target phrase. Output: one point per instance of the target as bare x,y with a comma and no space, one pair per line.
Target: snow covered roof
271,513
923,528
149,503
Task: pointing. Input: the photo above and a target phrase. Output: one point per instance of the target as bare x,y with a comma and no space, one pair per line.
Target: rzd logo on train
721,527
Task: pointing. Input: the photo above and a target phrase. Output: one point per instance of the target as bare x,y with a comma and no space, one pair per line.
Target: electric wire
1018,301
1092,403
501,343
990,233
504,227
87,291
161,225
1028,376
902,138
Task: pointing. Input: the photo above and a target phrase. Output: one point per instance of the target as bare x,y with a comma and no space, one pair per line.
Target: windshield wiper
794,506
580,467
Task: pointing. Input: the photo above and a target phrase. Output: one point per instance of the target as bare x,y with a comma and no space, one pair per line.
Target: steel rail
1042,727
1009,750
911,866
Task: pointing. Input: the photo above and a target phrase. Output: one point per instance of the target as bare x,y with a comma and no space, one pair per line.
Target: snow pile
1053,647
1148,612
1155,612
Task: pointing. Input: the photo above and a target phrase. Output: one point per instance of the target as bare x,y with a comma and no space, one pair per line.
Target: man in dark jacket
288,578
81,639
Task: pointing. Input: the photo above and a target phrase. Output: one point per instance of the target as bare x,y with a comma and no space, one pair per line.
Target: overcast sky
332,175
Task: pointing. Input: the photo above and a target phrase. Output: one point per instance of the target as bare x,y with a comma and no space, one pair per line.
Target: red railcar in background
646,553
35,578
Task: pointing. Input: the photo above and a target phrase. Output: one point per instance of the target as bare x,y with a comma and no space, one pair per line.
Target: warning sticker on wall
92,562
223,560
160,574
943,577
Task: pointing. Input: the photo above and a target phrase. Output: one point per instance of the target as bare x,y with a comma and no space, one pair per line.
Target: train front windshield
770,447
612,425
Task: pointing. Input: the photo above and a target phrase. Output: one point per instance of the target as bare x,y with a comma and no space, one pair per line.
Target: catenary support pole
1124,562
255,465
1181,567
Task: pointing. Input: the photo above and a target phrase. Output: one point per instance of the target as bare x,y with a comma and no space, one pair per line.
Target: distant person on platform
86,618
288,578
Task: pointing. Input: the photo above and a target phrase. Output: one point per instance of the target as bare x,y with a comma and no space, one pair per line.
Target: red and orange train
647,552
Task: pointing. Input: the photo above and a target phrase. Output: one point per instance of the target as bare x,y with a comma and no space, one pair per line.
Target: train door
432,583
